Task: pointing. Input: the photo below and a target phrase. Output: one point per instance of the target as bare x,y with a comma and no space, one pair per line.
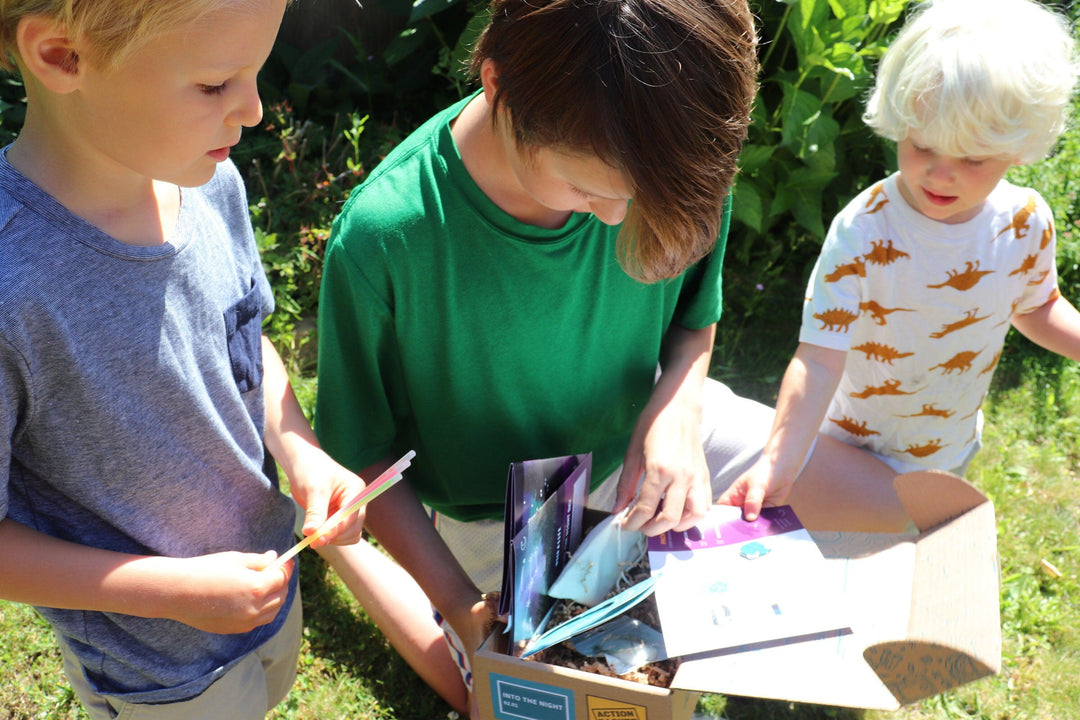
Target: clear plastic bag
625,643
594,568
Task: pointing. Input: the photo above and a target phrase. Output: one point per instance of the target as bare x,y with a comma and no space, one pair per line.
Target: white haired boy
922,274
139,509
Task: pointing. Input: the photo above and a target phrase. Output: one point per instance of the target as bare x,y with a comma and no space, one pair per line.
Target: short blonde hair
977,78
111,27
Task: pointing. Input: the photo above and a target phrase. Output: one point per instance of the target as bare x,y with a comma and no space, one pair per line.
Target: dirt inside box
659,673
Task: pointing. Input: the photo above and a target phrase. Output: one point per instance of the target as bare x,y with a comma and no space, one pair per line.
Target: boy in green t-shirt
492,295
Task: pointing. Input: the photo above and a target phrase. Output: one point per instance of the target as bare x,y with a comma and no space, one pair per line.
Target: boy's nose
609,212
942,169
249,110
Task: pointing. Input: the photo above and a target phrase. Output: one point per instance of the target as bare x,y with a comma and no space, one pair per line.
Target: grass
1028,467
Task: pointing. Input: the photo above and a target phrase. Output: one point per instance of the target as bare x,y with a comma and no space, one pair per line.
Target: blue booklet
545,503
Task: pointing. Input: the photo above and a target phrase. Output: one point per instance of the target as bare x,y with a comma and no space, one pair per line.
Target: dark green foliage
12,107
807,154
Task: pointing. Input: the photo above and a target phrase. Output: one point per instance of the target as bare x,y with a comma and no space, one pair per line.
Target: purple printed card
728,583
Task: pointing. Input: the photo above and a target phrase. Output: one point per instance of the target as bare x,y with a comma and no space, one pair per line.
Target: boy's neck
484,154
135,210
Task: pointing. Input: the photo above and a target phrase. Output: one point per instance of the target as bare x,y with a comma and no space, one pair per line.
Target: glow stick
373,490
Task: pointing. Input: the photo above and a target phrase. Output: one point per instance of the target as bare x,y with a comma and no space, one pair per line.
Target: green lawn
1028,467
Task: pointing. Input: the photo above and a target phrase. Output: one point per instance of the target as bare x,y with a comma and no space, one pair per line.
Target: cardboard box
924,619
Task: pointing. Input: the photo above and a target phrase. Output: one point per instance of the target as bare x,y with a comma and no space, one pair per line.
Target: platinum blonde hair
977,78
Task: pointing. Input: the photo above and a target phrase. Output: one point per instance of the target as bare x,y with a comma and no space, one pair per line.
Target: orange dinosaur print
855,267
878,189
929,410
883,254
1038,279
1012,311
1020,220
1047,236
1025,267
961,362
858,429
890,387
993,364
969,319
836,319
878,313
880,352
925,450
963,280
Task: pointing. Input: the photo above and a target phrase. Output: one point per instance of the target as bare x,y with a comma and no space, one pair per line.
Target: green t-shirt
450,328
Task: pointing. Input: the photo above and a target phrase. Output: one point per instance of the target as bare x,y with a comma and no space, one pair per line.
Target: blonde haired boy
138,504
924,272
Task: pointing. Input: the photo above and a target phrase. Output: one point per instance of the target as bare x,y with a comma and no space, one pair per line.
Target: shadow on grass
349,642
741,708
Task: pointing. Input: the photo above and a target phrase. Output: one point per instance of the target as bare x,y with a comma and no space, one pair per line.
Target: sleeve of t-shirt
359,366
701,299
832,296
1043,282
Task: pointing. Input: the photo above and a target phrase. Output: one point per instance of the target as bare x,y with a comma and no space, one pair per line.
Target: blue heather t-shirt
132,416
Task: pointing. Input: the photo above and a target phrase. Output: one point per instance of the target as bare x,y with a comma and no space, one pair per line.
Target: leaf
460,56
848,8
754,157
806,207
885,12
396,7
426,8
747,206
799,108
408,41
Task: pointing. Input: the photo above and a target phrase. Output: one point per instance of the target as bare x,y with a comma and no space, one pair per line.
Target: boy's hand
758,487
322,488
225,592
665,453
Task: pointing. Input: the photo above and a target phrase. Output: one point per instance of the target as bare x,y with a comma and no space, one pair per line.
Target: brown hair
661,90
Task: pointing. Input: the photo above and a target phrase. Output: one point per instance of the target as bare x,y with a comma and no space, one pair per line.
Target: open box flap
954,628
933,497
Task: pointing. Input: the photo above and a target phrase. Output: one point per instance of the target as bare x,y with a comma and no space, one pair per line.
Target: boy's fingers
313,520
755,497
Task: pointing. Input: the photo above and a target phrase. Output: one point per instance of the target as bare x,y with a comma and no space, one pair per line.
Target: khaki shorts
248,691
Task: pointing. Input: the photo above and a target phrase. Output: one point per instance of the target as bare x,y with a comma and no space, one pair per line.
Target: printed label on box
606,709
515,699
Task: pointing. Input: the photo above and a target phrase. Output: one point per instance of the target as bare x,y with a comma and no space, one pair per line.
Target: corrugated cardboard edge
656,703
951,640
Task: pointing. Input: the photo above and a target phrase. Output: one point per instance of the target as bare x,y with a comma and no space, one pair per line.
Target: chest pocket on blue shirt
243,327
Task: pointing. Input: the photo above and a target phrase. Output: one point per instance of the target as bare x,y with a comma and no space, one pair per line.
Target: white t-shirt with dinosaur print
922,309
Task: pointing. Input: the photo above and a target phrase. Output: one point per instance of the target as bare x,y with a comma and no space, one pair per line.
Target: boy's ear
46,52
489,79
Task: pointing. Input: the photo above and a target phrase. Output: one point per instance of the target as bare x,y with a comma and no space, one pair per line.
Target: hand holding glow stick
377,487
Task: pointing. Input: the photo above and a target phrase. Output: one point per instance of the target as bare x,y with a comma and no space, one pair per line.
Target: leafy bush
807,154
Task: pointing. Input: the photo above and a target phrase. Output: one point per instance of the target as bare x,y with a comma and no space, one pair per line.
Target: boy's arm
316,481
403,528
808,385
221,593
665,445
1055,326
